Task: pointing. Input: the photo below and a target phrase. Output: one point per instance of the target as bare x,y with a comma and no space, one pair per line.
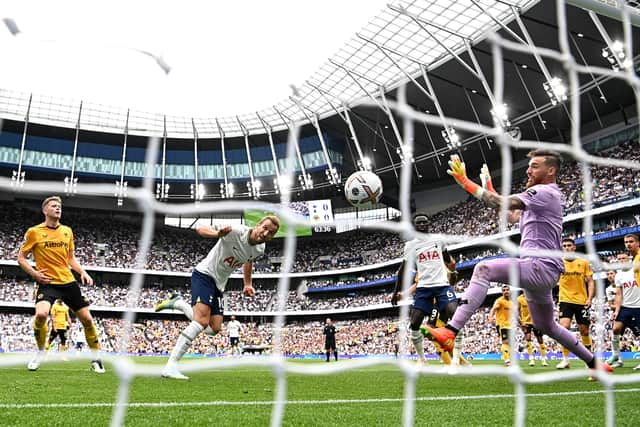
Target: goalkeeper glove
485,178
458,172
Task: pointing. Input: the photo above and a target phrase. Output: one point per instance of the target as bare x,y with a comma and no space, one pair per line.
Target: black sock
335,353
592,363
451,328
328,355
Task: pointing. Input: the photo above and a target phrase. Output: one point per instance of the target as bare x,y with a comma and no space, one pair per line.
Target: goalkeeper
433,284
539,212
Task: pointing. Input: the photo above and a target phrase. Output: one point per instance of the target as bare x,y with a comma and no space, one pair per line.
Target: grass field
69,394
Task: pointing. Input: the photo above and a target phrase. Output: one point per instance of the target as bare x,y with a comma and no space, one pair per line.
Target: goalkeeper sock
530,349
187,310
586,341
615,345
416,338
40,332
565,353
184,341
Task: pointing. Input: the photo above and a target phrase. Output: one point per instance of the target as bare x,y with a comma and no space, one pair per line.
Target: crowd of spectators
353,337
111,295
178,250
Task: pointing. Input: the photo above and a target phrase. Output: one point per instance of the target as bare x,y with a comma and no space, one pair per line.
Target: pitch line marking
295,402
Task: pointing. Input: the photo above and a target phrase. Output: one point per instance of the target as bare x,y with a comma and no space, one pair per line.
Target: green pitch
69,394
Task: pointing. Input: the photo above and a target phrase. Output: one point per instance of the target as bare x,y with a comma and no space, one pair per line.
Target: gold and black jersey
51,248
573,287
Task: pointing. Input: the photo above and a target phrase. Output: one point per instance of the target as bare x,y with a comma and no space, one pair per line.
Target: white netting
126,367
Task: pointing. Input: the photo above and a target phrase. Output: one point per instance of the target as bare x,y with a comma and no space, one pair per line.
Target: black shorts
503,332
569,310
529,328
330,344
234,341
62,333
69,294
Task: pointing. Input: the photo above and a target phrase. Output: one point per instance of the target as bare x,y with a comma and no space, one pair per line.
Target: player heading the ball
237,245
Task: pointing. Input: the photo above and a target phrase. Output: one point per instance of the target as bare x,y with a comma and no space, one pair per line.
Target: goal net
567,93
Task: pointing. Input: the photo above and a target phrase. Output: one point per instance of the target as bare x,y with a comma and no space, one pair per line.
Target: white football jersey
430,265
233,326
229,253
625,279
610,293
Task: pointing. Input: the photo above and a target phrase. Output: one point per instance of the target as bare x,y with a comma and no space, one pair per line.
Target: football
363,189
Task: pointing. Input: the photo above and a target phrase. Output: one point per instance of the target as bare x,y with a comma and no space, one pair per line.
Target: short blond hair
274,219
51,199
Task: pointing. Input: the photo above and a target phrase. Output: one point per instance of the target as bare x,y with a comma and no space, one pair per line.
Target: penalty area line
296,402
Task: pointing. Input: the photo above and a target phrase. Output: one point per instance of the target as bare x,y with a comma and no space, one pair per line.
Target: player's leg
584,322
40,329
565,315
618,330
447,303
495,270
62,333
526,329
505,354
543,348
51,338
176,302
72,296
541,309
207,311
202,316
91,335
422,304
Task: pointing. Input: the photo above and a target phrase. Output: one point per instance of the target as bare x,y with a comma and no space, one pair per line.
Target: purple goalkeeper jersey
541,221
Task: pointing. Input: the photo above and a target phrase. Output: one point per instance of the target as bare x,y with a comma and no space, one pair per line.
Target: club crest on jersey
429,256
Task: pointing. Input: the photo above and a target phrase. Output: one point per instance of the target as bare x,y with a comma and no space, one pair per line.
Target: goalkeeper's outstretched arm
490,198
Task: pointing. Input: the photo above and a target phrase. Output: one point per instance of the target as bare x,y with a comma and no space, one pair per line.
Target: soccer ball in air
363,189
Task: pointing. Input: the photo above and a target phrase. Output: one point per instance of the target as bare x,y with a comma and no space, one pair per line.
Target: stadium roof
229,64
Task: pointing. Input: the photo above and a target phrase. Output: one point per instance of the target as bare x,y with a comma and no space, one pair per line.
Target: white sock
457,349
184,341
187,310
418,343
615,345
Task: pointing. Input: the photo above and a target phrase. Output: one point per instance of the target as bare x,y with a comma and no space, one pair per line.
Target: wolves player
576,293
60,322
527,328
433,262
626,313
501,314
52,247
237,245
539,212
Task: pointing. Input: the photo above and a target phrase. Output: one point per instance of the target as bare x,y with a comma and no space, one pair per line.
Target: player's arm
75,266
450,263
492,313
591,290
69,320
397,294
492,199
39,276
617,302
247,271
212,232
